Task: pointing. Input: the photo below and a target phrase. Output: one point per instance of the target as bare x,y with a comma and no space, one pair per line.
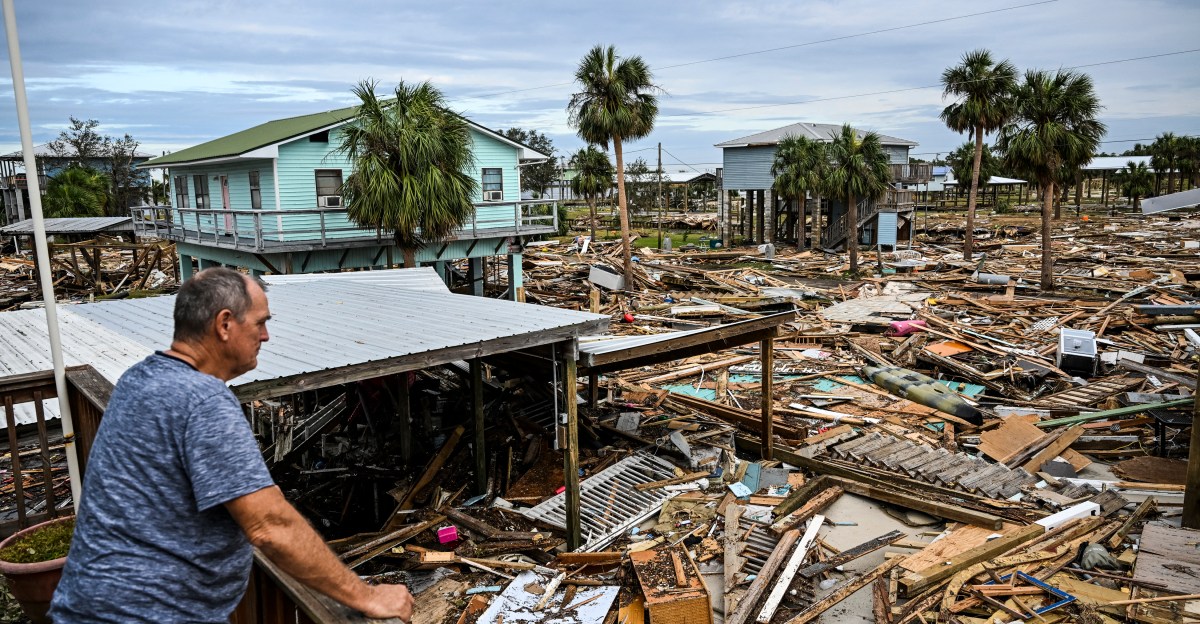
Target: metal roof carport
607,355
328,330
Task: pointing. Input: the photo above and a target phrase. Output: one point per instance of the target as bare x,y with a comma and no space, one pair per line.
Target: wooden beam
431,471
767,355
481,471
568,352
784,582
851,554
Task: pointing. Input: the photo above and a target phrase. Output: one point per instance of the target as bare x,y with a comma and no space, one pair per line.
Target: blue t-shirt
153,541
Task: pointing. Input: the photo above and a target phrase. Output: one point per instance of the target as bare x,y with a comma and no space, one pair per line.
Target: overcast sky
175,74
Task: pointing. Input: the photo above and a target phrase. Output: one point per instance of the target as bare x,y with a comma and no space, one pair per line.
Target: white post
43,253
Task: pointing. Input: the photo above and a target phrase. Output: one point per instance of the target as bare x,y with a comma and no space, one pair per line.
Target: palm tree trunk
816,229
1047,260
1137,203
969,239
410,257
626,243
592,212
801,206
852,231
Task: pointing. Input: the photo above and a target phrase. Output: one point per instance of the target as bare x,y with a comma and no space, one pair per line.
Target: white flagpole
43,253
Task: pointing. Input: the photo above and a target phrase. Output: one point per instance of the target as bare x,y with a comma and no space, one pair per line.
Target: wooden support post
481,471
404,418
767,355
567,356
1191,495
593,389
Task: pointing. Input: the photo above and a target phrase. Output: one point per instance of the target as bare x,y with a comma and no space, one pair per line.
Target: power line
902,90
856,35
789,47
681,162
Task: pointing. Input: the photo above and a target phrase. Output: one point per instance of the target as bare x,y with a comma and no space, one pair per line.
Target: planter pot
33,584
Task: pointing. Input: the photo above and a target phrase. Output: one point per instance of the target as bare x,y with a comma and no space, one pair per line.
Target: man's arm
286,538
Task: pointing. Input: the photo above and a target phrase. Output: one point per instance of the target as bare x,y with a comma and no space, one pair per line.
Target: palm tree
1136,182
76,192
962,163
616,103
983,92
858,169
1189,160
410,156
1164,156
593,178
799,168
1054,123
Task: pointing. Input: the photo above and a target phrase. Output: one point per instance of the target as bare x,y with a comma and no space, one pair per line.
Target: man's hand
387,601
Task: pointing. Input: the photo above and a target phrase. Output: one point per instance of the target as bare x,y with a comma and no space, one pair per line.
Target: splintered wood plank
959,540
1010,439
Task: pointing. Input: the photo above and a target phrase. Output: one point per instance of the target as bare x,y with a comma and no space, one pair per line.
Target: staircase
896,200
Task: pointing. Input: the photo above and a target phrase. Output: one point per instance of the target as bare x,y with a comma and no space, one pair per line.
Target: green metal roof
251,139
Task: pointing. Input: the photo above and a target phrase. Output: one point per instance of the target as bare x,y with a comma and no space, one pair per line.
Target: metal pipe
43,252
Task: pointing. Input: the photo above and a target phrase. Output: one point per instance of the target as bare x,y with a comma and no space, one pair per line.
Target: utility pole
660,198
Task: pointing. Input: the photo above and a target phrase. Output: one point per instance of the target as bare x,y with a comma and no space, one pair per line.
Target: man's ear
222,322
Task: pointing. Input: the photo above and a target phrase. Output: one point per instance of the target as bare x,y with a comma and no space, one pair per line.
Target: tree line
98,175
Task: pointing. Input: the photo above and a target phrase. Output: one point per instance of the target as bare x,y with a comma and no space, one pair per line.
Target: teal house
268,199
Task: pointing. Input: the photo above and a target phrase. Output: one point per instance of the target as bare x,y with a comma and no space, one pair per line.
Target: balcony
266,231
912,173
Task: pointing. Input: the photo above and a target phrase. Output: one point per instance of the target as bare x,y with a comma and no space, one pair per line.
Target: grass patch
46,544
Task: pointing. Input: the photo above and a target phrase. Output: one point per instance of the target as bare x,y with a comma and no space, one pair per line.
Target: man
176,490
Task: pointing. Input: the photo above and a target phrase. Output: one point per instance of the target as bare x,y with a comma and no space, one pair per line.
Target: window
320,137
329,188
181,192
493,184
255,192
201,182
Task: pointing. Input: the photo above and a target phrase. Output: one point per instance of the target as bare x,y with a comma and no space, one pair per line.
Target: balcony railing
895,200
314,228
912,173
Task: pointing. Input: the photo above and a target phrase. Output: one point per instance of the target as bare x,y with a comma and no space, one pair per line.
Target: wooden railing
274,597
912,173
37,478
893,200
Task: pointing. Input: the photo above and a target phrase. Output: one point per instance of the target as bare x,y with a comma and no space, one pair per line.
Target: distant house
14,187
747,169
269,199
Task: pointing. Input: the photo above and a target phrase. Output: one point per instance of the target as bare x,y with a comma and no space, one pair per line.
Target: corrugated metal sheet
1115,163
80,225
887,229
25,348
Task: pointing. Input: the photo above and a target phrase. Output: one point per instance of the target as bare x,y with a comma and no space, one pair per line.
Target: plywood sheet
1009,439
1152,470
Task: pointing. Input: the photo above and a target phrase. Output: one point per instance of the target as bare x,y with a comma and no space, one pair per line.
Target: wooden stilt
767,356
481,472
571,447
1191,495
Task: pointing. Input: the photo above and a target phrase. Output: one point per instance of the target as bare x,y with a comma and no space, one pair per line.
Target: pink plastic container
447,534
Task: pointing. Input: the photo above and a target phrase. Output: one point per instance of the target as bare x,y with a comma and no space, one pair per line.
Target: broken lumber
784,582
914,582
764,578
1053,449
693,476
435,465
821,606
817,504
929,506
851,554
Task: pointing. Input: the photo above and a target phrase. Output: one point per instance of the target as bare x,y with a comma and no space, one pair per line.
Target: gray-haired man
176,490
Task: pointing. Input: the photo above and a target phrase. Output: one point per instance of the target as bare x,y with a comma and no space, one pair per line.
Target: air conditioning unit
329,201
493,196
